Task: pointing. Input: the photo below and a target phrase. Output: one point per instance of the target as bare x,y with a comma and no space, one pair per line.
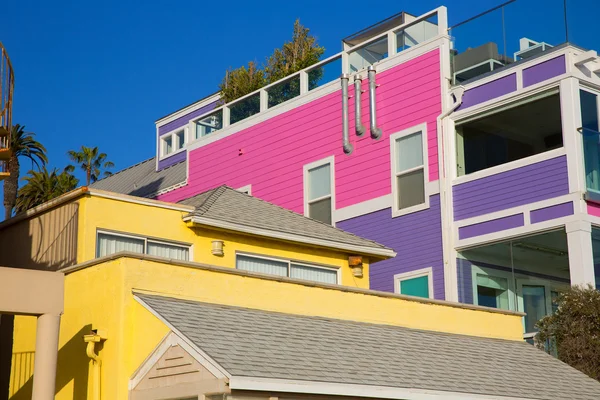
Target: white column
581,255
46,353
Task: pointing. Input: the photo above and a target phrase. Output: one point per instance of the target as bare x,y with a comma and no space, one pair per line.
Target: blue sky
100,73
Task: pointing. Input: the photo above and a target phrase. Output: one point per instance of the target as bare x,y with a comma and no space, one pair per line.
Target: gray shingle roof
226,204
262,344
142,179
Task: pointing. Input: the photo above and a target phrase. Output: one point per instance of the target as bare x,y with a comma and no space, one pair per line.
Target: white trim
174,142
292,237
306,185
290,261
246,189
362,208
498,169
207,362
146,366
422,130
354,390
428,272
188,109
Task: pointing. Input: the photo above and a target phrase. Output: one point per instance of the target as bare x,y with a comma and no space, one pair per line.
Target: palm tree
24,145
92,162
43,186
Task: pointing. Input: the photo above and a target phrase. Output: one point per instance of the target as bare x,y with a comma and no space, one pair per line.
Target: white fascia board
344,389
186,110
291,237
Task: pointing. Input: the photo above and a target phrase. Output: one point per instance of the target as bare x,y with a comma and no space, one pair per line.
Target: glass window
209,124
415,286
283,91
244,108
313,274
168,251
286,268
492,291
534,305
417,33
168,145
111,244
510,134
319,193
368,55
264,266
591,140
410,171
180,139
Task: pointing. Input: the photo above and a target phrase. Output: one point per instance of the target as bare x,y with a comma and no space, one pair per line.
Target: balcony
7,80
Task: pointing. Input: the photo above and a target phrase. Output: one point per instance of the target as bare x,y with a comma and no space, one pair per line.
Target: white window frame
307,167
246,189
193,125
290,262
174,141
188,246
396,210
428,272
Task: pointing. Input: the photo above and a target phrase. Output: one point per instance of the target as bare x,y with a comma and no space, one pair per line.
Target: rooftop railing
502,36
352,59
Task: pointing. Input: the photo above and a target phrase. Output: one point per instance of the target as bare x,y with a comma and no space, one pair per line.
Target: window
318,191
591,141
209,124
520,130
110,243
492,291
287,268
417,283
409,170
173,142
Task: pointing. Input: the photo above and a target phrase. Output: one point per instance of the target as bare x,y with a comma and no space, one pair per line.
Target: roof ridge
210,200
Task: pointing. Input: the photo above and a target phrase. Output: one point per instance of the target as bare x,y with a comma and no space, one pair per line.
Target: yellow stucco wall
101,297
161,223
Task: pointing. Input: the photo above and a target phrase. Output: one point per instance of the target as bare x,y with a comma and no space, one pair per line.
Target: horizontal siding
417,238
528,184
275,151
167,162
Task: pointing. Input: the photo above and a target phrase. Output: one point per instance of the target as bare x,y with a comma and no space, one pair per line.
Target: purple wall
416,237
548,213
465,277
178,123
543,71
494,225
535,182
489,91
174,159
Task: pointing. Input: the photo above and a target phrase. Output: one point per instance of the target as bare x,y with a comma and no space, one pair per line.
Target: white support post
581,255
392,46
303,82
226,117
264,100
442,17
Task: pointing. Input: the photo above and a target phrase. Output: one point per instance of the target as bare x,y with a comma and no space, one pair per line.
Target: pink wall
593,209
275,150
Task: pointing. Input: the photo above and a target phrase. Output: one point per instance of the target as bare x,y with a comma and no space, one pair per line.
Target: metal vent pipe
359,127
375,131
347,146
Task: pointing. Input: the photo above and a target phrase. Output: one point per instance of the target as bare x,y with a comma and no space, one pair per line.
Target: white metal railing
423,28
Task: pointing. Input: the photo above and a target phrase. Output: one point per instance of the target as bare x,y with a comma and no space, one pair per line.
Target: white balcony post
442,17
581,255
226,116
303,82
264,100
392,46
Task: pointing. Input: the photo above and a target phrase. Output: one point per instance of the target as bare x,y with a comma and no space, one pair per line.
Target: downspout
457,93
359,127
90,350
347,146
375,131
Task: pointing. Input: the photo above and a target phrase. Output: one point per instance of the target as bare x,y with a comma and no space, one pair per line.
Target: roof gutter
380,252
353,390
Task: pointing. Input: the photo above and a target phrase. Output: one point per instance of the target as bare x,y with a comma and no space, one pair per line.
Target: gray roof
262,344
142,179
229,205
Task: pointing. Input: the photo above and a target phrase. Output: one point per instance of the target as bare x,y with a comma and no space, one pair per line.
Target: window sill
161,158
412,209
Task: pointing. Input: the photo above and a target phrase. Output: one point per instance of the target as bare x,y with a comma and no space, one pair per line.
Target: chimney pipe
375,131
347,146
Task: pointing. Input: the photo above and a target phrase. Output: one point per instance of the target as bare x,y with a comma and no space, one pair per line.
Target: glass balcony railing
501,36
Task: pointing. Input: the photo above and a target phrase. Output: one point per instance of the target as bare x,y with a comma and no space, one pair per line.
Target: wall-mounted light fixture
356,263
217,247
